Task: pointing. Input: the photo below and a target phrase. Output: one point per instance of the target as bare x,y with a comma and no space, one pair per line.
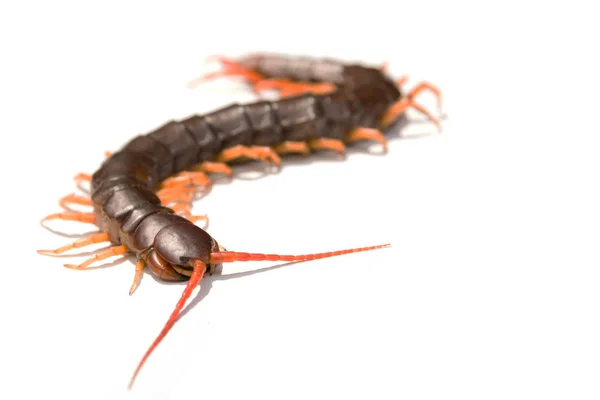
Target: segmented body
123,188
308,69
134,218
292,75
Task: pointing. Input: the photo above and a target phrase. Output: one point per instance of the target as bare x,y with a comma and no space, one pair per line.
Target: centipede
141,195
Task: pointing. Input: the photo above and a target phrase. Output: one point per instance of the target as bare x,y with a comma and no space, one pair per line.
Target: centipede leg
83,177
293,147
289,88
402,81
110,252
327,144
300,88
87,218
83,242
427,86
74,199
139,268
367,134
408,102
185,211
271,84
230,68
183,196
215,167
259,153
186,178
181,190
176,194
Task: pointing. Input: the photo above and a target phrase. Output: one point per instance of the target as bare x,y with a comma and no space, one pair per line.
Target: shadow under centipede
254,170
207,282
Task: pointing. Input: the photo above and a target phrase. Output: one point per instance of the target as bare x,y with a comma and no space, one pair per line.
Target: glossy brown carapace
141,195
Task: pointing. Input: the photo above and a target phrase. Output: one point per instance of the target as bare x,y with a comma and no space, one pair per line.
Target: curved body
133,214
309,69
125,204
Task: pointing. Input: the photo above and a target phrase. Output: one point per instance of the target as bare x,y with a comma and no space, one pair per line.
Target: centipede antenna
197,274
233,256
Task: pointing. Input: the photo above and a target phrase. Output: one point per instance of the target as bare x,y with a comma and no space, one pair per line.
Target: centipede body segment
141,195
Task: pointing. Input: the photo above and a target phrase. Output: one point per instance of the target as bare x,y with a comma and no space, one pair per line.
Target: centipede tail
140,197
291,76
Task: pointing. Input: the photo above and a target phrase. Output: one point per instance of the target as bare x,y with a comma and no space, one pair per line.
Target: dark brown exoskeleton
293,75
141,194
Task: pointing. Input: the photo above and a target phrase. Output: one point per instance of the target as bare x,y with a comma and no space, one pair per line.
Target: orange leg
293,147
261,153
176,188
402,81
187,178
110,252
185,211
271,84
176,194
86,241
74,199
88,218
214,167
327,144
296,88
428,86
183,196
139,267
83,177
230,68
367,134
290,88
408,102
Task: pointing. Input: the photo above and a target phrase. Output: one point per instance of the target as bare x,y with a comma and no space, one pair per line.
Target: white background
491,288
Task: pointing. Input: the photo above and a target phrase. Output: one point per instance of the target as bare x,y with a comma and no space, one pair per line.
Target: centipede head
177,247
189,251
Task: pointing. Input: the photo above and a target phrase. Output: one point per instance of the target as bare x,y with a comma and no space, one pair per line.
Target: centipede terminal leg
408,102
